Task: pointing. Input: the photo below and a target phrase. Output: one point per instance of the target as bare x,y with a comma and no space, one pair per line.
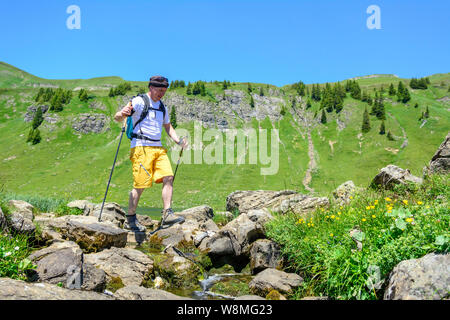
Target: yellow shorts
156,164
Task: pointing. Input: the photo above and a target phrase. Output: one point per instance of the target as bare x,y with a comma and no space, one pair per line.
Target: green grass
68,166
392,225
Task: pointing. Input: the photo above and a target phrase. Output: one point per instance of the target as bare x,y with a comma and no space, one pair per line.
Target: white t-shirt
151,125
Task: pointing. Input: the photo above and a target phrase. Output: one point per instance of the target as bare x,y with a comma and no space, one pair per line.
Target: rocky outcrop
86,231
84,205
20,290
440,162
393,175
31,111
133,292
343,193
277,201
112,212
264,254
18,224
272,279
62,262
177,270
231,245
90,122
130,265
427,278
23,208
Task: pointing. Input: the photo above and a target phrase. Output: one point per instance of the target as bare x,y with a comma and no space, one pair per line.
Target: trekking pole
178,162
115,158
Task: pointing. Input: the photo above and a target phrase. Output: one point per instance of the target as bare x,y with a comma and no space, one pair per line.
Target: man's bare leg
132,223
135,195
167,190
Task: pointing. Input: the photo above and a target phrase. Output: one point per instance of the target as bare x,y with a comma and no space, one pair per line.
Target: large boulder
19,224
130,265
86,231
440,162
264,254
427,278
62,262
177,270
23,208
112,212
272,279
198,220
231,245
133,292
20,290
393,175
3,222
277,201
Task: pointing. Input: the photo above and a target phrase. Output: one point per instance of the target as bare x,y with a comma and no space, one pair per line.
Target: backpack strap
144,114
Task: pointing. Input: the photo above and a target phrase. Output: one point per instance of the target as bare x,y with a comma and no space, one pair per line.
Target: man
149,158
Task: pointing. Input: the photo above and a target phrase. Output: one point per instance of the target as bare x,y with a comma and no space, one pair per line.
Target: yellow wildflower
374,216
351,197
327,217
387,199
427,207
376,202
364,219
312,224
409,219
372,207
333,216
405,201
419,202
339,213
331,234
368,208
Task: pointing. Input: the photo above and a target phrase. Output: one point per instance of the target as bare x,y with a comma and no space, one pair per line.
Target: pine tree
249,88
261,91
37,119
366,122
392,91
252,102
308,104
189,89
83,96
323,118
416,105
34,136
224,85
427,113
382,128
389,136
202,89
173,117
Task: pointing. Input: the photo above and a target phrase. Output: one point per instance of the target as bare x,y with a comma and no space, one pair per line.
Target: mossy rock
275,295
114,284
232,286
178,271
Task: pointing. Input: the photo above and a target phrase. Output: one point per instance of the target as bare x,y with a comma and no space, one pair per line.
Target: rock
22,207
315,298
90,122
86,231
271,279
243,201
357,237
130,265
344,191
249,297
392,175
275,295
225,215
63,262
20,290
264,254
3,222
198,220
146,221
29,115
277,201
178,271
19,224
84,205
133,292
112,212
427,278
440,162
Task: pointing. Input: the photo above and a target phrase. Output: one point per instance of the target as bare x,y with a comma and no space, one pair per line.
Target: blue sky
277,42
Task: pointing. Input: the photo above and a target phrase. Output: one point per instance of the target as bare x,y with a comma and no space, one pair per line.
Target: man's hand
126,111
183,143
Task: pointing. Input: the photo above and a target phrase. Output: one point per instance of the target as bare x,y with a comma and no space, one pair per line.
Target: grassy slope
78,167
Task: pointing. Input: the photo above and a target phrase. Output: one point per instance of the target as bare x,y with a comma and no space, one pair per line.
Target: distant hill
70,163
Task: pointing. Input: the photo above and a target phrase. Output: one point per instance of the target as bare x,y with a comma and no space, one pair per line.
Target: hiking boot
169,218
133,224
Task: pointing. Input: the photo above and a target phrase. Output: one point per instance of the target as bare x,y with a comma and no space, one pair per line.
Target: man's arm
171,132
125,112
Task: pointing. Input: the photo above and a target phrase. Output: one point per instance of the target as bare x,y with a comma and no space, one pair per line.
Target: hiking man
149,158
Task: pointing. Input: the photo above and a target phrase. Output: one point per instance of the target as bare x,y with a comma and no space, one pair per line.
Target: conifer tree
427,113
189,89
37,119
249,88
389,136
416,105
323,118
366,122
252,102
261,91
308,104
173,117
392,91
202,89
382,128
